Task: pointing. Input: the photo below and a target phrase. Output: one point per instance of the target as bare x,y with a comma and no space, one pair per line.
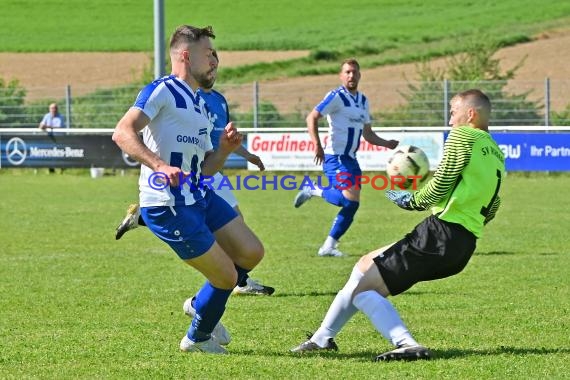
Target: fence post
68,106
445,102
159,49
546,102
255,104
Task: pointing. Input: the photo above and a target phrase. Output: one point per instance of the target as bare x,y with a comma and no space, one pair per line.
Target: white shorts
224,192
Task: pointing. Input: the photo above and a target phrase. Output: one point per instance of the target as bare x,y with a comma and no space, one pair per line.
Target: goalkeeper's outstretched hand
401,198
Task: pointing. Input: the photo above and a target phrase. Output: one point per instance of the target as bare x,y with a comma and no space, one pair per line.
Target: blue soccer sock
210,304
344,218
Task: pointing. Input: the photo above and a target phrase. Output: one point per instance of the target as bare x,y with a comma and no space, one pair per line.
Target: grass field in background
378,32
75,303
106,25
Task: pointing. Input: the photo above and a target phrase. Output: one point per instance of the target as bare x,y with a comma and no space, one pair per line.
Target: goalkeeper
463,195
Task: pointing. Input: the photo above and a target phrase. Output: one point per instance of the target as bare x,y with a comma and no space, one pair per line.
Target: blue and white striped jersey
346,115
179,132
219,113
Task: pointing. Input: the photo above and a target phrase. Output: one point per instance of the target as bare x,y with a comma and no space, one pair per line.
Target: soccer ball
407,160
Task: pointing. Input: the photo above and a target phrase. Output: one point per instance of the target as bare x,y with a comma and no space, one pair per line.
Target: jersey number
485,210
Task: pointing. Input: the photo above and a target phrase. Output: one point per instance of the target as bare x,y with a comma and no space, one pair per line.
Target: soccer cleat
130,222
302,196
310,346
331,251
405,352
253,288
220,334
209,346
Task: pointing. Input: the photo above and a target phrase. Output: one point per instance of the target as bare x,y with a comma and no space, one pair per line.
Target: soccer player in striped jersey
463,195
218,112
348,117
202,228
219,116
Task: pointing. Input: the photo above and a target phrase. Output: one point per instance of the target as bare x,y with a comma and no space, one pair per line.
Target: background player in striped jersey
219,114
348,118
463,195
202,228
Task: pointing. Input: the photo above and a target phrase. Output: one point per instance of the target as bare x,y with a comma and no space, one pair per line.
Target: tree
12,110
476,68
561,118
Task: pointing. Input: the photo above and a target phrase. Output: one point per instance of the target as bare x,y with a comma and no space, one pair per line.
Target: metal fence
286,104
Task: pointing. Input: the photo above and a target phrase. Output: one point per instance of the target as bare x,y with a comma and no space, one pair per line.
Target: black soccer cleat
310,346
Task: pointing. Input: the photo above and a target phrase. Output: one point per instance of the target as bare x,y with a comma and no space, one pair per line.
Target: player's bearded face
350,76
205,65
207,79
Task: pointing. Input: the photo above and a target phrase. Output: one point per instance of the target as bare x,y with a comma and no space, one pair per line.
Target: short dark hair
187,34
350,61
476,98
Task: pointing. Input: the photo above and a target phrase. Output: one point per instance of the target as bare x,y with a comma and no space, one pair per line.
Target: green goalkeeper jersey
465,187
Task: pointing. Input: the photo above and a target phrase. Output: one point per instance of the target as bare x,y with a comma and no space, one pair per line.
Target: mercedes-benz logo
16,151
129,161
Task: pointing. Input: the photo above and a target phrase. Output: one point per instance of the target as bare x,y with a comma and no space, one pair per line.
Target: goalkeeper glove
401,198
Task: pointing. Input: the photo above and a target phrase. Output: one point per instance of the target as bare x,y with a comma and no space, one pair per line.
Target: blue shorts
188,230
341,170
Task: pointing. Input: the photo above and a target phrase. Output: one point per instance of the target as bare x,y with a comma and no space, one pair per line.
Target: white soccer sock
317,192
330,242
384,317
340,311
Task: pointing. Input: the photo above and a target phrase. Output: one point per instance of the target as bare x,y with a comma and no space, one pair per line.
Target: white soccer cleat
130,222
331,251
405,352
303,196
210,346
220,334
253,288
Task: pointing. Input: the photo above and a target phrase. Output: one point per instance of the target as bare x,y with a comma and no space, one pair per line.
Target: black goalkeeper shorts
434,249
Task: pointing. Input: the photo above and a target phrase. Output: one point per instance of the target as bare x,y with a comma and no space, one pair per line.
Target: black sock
243,281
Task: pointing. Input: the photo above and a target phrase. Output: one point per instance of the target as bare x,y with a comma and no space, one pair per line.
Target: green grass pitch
127,25
75,303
